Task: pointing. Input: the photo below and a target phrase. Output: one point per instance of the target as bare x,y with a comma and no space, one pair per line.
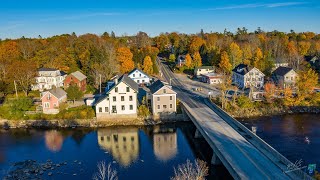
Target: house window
116,89
114,109
291,78
106,109
47,105
140,75
130,98
128,89
134,75
48,97
138,81
122,108
131,107
114,98
164,91
158,98
170,97
170,106
164,106
54,105
143,81
122,98
158,106
100,109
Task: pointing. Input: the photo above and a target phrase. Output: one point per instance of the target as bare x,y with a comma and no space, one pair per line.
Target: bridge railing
231,121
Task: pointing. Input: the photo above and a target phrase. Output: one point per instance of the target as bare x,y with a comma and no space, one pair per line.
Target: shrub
143,111
15,108
244,102
197,170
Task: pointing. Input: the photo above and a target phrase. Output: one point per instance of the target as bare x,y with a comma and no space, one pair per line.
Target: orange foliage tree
225,64
197,61
188,59
147,65
124,56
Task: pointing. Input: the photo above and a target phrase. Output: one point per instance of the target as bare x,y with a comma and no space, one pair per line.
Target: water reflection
122,143
164,143
54,140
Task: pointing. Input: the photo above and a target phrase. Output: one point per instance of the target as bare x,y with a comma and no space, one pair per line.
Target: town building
48,78
76,78
119,101
245,76
181,60
52,99
280,63
163,98
212,78
138,76
284,77
203,70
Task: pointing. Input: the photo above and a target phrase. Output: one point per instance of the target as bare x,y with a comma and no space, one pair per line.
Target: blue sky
31,18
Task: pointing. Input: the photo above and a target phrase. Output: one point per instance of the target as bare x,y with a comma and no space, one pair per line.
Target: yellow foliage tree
124,57
225,64
303,47
306,82
258,56
148,65
235,54
197,61
188,61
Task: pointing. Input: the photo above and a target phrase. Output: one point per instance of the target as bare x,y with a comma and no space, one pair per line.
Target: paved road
239,156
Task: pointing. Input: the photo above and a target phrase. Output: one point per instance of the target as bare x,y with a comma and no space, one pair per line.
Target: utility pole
100,82
15,87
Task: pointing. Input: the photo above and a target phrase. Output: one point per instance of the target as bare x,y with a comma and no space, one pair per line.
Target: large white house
48,78
139,76
245,77
120,100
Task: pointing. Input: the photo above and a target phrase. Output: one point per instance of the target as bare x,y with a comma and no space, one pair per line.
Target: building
245,77
163,98
76,78
181,60
165,144
52,99
284,77
122,144
203,70
280,63
48,78
211,78
139,76
119,101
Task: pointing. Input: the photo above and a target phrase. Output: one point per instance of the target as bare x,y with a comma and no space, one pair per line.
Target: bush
15,108
81,112
197,170
143,111
244,102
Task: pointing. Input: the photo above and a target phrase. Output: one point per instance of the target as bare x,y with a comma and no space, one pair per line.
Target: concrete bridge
244,154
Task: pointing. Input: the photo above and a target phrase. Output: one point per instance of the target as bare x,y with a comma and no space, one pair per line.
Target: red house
76,78
52,99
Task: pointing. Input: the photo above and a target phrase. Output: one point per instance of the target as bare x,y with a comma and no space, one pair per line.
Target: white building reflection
122,143
164,143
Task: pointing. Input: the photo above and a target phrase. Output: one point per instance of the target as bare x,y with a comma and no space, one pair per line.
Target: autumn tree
8,53
303,47
306,82
195,44
74,93
172,58
197,61
225,64
270,89
188,61
235,54
124,56
162,42
148,65
258,59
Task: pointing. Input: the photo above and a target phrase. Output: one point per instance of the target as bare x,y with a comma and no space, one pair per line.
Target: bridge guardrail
265,145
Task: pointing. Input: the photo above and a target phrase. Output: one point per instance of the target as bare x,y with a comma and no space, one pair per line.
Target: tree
74,93
225,64
197,61
189,171
148,65
188,60
195,44
303,47
306,82
105,172
8,53
124,57
172,58
270,91
235,54
257,60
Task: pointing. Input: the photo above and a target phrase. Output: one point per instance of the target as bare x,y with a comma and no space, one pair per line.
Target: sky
31,18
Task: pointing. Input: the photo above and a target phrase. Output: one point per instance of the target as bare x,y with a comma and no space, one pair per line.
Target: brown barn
76,78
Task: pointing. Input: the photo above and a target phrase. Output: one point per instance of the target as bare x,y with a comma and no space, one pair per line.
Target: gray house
284,77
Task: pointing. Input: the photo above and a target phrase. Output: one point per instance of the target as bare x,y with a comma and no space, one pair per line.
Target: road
238,155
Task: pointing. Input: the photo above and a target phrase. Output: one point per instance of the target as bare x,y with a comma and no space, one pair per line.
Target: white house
48,78
139,76
284,77
203,70
245,77
119,101
211,78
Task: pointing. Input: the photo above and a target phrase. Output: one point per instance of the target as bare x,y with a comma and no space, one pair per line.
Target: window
114,109
116,89
114,98
106,109
138,81
131,107
164,91
133,75
48,97
47,105
130,98
170,106
128,89
158,98
291,78
164,106
158,106
122,98
124,139
143,81
123,108
100,109
140,75
54,105
170,97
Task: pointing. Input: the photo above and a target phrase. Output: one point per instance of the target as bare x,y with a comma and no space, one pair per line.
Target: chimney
115,79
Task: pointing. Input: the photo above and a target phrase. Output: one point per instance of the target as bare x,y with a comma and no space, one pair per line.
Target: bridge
244,154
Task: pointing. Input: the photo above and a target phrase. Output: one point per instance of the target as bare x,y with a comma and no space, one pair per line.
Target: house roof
204,67
242,69
79,75
309,58
281,71
212,75
156,86
47,69
132,71
57,92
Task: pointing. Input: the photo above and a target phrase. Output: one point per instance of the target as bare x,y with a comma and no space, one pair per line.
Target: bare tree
189,171
105,172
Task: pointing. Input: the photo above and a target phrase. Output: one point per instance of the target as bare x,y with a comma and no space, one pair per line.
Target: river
148,152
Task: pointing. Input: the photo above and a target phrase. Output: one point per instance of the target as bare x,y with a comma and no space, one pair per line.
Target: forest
108,54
